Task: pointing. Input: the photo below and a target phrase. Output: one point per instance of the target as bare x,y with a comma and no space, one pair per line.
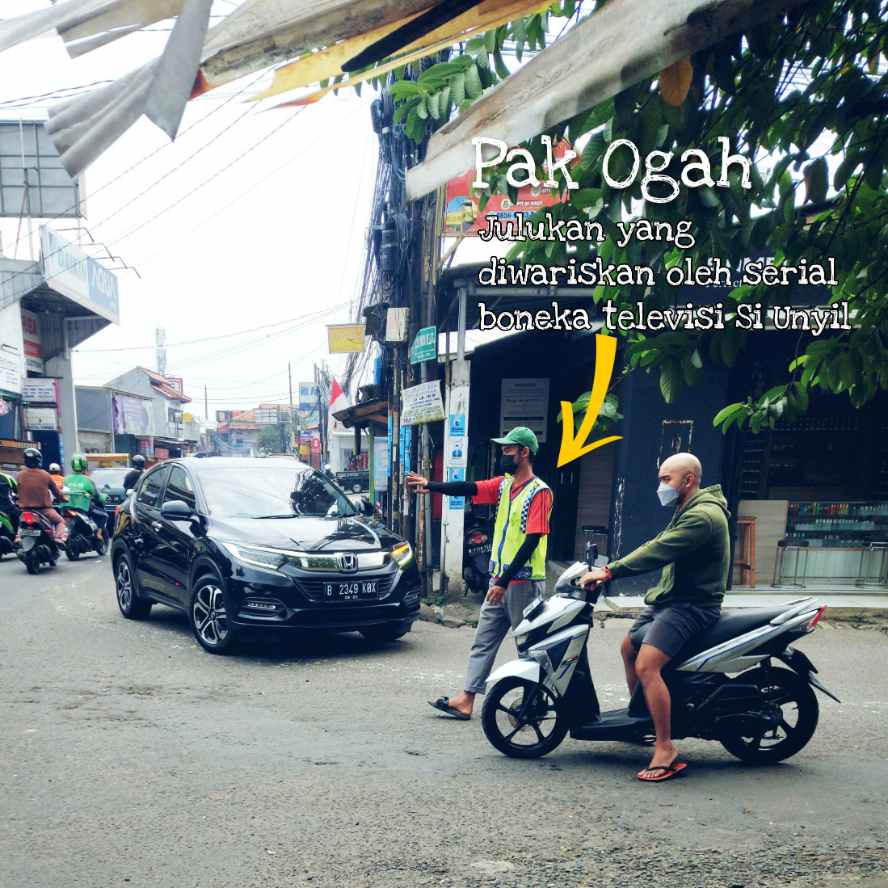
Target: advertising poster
463,207
132,416
12,353
422,403
308,406
525,402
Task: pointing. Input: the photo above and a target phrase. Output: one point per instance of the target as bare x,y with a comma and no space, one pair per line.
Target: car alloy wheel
209,617
124,585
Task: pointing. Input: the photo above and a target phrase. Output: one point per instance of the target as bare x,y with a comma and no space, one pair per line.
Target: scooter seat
729,625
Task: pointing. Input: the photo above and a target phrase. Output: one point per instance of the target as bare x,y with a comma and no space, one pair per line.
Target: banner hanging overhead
345,339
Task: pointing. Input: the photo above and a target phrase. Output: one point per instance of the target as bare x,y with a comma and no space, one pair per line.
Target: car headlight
402,554
258,556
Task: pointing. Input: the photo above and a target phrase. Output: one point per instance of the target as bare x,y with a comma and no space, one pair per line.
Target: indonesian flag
338,398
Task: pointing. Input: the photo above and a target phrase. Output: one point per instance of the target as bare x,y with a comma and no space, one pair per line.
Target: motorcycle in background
477,545
83,535
38,544
7,536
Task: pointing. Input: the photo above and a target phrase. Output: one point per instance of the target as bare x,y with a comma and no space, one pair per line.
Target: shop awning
617,46
362,416
461,281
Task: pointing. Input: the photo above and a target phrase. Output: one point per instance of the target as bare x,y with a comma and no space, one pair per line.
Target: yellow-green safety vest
510,530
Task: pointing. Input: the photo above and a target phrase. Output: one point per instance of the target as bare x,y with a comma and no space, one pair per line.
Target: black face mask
508,463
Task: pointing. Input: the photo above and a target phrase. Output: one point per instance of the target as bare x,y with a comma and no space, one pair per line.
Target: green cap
522,436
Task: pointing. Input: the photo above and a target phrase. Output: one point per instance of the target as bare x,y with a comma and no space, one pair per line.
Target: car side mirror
176,510
367,506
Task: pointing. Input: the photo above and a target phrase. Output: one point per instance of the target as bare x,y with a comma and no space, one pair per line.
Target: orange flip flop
666,772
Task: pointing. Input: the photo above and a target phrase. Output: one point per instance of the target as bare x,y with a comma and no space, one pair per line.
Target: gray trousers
494,623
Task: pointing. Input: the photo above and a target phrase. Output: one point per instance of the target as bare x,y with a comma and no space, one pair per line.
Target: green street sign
425,345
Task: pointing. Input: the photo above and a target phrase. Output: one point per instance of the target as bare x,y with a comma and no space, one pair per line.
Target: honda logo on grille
348,561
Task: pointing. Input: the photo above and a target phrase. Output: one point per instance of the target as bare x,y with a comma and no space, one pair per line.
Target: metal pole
371,463
290,379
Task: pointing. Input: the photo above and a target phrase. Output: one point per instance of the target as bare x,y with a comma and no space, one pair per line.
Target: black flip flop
442,704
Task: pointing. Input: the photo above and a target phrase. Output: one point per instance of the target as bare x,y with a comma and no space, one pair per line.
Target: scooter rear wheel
522,731
799,712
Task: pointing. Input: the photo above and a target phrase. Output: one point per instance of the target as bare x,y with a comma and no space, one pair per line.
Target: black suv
242,544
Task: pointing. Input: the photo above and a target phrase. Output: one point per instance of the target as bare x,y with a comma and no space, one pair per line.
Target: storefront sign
12,358
31,337
131,415
525,402
345,339
309,406
41,419
463,207
40,391
81,278
422,403
425,345
380,464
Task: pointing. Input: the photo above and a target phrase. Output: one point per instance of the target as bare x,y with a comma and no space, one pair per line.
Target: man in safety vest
517,558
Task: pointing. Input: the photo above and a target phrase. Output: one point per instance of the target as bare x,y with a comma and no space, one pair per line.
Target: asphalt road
132,758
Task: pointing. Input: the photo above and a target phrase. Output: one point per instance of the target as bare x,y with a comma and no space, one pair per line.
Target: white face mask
668,495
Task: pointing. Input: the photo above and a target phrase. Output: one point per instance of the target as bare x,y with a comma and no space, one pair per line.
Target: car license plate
357,590
31,533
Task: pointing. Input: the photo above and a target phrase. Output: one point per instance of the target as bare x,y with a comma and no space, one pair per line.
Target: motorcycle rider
37,492
132,476
55,472
7,503
518,555
84,495
693,551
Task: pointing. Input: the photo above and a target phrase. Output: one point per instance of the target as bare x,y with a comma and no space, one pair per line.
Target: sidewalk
846,603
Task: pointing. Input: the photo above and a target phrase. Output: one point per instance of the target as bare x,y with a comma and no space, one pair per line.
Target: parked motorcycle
83,535
38,545
477,543
724,686
7,536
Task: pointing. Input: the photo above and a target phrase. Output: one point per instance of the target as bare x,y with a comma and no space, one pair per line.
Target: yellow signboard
187,417
345,338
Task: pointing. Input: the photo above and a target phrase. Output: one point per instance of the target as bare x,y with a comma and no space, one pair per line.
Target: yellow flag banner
327,63
344,339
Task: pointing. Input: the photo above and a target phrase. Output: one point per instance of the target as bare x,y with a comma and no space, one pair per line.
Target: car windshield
264,491
108,477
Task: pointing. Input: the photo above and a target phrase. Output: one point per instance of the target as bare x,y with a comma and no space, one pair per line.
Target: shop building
809,501
174,431
47,308
114,421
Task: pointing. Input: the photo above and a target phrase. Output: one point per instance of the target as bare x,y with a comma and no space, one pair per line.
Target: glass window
264,491
151,487
179,487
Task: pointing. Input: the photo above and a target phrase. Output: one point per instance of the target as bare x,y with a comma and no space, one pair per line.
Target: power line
147,157
209,179
217,337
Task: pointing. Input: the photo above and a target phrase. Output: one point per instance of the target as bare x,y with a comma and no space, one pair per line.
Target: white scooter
724,686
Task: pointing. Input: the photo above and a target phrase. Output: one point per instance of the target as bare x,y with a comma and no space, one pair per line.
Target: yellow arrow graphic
573,447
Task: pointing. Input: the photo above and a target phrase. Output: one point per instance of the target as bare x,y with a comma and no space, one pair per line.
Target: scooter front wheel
521,719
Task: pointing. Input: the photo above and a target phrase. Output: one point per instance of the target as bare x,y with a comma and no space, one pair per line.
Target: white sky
289,244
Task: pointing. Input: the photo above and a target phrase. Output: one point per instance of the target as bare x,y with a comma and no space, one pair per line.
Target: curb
457,616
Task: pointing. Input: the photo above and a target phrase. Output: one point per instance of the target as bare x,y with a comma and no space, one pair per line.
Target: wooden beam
614,48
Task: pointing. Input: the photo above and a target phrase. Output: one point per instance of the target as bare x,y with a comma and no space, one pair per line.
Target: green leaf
727,413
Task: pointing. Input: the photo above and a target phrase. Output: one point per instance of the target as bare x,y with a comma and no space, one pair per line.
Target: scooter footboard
529,670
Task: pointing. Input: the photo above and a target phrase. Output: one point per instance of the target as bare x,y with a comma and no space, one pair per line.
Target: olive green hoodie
694,550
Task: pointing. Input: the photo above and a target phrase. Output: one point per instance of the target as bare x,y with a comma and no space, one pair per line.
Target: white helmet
55,469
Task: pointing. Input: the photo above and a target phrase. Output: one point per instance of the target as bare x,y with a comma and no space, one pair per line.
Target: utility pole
206,405
292,421
160,350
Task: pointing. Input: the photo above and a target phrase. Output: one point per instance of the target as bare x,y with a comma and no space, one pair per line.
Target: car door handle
157,526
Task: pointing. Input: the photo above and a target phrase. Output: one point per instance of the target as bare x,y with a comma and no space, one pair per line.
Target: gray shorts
670,627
